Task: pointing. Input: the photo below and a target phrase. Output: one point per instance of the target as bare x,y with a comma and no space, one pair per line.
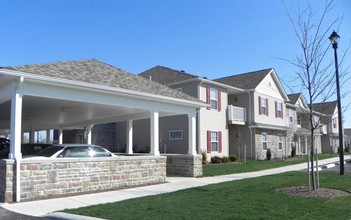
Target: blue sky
209,38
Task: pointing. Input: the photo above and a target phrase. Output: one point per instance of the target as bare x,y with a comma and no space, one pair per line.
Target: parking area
336,168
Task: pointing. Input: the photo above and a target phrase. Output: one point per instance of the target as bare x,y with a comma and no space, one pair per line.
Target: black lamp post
334,38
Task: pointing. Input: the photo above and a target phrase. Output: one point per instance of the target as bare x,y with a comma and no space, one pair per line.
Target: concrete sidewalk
48,207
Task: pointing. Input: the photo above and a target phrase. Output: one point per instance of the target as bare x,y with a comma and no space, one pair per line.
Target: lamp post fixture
334,38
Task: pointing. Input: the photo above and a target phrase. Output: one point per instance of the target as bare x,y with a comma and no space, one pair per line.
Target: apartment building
246,113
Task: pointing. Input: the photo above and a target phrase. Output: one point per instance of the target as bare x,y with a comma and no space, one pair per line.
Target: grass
252,165
255,198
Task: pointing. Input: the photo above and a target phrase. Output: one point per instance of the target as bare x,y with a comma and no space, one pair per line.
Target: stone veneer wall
63,177
184,165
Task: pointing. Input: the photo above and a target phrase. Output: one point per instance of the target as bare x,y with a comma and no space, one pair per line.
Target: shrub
293,151
216,159
204,157
225,159
268,154
232,158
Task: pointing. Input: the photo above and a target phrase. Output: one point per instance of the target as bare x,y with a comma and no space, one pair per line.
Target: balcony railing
236,115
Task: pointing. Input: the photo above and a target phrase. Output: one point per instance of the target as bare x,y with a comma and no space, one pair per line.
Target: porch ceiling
46,113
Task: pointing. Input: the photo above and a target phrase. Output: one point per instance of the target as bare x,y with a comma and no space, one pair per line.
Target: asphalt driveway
347,167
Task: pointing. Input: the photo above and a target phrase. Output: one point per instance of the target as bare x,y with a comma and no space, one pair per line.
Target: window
278,109
179,90
315,120
176,135
263,106
264,141
214,141
334,123
291,116
280,142
214,98
299,119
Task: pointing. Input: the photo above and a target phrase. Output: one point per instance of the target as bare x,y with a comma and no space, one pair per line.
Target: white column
60,136
31,136
129,137
16,136
48,136
15,127
192,134
154,133
89,132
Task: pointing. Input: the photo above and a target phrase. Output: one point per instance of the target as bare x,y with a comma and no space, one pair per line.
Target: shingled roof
325,107
246,80
294,97
165,75
97,72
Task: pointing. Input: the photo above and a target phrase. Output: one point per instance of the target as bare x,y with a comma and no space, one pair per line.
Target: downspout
249,124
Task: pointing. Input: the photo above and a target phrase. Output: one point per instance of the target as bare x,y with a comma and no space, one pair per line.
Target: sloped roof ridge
248,73
51,63
179,71
166,75
249,80
100,73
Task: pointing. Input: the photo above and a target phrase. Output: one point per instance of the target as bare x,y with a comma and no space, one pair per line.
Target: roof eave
121,91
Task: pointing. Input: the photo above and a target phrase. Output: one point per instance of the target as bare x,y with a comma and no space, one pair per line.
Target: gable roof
294,97
96,72
165,75
325,107
245,80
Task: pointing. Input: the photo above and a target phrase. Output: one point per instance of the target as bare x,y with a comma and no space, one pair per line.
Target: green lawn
252,165
255,198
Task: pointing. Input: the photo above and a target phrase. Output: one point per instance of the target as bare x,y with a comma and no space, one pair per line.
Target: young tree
314,73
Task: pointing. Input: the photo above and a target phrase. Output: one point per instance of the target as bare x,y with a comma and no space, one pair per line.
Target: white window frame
279,110
264,138
214,98
299,119
280,142
334,123
214,141
291,116
263,106
175,135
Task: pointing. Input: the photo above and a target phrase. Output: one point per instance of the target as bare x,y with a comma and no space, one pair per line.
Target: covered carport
83,93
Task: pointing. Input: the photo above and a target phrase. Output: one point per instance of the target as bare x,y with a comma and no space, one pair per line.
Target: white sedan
72,151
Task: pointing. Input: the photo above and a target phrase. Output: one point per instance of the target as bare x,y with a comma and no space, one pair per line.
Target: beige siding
214,120
189,88
269,87
270,119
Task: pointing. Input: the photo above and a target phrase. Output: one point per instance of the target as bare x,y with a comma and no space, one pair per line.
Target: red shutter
282,110
208,97
208,141
219,142
267,106
276,109
259,105
219,100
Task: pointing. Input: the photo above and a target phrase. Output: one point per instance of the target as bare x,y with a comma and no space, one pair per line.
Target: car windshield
48,152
